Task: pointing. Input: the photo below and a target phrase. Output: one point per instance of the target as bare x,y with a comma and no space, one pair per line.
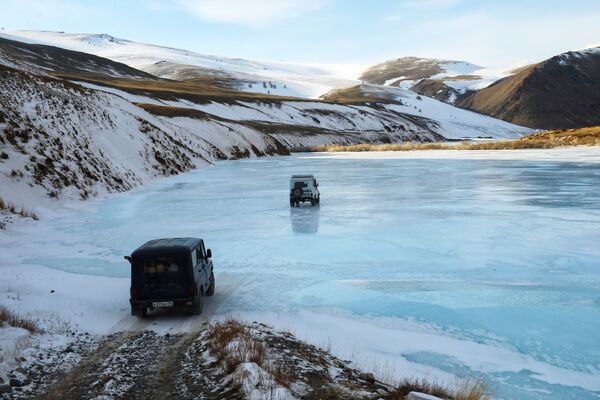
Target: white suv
304,188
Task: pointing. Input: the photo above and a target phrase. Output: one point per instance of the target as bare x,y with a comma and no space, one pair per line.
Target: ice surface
431,265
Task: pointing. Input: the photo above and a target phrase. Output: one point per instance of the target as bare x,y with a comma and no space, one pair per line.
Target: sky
491,33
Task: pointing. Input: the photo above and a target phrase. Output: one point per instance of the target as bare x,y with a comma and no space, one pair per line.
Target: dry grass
11,208
233,343
542,140
465,389
354,95
281,375
197,90
9,318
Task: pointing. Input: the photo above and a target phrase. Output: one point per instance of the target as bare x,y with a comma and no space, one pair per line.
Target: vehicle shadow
305,219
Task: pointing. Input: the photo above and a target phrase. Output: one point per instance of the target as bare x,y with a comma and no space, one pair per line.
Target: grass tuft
234,343
465,389
9,318
11,208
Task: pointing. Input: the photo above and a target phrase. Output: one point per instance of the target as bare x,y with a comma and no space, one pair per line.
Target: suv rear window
299,185
164,269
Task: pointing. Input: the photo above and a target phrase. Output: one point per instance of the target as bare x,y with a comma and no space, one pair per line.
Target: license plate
162,304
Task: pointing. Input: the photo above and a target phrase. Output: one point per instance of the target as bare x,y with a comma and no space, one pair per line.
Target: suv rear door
165,276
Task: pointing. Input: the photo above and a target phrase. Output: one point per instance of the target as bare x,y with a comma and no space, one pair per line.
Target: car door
204,273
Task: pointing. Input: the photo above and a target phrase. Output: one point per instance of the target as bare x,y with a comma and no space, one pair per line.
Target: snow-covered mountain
280,78
558,93
445,80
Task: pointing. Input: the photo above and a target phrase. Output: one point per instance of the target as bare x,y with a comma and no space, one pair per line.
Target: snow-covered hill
451,122
280,78
561,92
444,80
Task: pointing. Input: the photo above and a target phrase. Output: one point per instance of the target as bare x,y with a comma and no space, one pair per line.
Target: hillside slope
453,122
49,59
269,77
561,92
444,80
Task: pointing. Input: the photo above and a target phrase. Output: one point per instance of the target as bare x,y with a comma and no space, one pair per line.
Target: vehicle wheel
196,309
140,312
297,193
291,203
319,199
312,202
211,288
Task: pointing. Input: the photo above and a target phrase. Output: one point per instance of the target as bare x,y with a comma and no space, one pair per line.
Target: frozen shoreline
563,154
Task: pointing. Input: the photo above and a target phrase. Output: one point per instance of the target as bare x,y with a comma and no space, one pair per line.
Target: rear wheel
211,288
140,312
319,199
312,202
196,308
292,203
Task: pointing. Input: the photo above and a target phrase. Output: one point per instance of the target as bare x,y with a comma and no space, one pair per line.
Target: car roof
303,176
167,245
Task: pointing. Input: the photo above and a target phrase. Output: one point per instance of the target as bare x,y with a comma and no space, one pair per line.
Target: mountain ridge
558,93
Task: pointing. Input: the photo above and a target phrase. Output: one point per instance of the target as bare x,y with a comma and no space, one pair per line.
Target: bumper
303,198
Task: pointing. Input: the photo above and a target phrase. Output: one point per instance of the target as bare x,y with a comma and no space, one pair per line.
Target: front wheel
211,288
319,199
312,202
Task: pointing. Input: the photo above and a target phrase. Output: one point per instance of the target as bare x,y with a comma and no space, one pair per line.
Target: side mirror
208,253
128,258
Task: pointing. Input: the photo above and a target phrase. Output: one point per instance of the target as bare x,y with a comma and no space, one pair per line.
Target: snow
471,263
301,80
448,121
453,122
421,396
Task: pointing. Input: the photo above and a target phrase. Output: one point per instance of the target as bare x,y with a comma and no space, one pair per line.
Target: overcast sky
486,32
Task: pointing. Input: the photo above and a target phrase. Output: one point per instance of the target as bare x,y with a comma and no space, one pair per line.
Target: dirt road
144,359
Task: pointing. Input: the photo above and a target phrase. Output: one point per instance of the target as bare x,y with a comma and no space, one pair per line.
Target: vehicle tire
292,203
312,202
196,309
140,312
319,199
211,288
297,193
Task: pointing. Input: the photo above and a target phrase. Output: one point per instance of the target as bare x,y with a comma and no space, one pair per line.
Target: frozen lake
421,266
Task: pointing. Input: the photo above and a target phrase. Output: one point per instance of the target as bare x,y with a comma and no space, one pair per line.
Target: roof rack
303,176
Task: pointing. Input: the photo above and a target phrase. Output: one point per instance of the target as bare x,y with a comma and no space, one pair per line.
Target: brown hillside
559,93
